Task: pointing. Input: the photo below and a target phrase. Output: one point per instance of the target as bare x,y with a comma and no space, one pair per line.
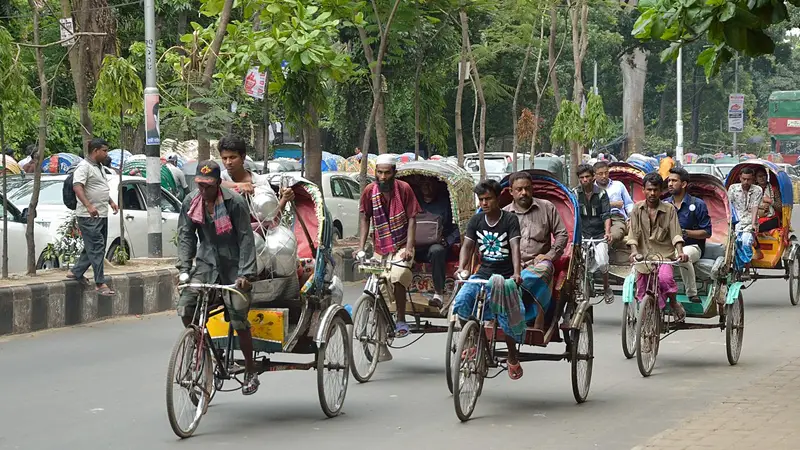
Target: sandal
71,276
401,330
105,290
680,313
514,371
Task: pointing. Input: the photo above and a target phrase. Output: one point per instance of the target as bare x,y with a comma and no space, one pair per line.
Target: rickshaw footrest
527,357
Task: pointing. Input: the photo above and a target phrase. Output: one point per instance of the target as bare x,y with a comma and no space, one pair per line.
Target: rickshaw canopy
773,172
712,191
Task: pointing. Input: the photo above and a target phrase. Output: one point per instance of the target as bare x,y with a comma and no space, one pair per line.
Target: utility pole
152,135
736,90
679,112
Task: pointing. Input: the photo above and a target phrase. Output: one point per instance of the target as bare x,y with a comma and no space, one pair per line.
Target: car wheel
113,250
338,234
45,264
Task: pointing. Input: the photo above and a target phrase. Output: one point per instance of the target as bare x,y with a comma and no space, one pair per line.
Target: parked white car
496,165
52,213
708,169
342,195
17,244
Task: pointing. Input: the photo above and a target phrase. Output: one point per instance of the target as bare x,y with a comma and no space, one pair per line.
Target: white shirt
95,186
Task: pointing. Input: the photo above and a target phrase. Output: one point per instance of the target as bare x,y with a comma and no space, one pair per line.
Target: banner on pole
736,113
152,133
255,83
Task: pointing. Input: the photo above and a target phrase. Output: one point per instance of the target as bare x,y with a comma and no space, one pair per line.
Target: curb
54,304
345,264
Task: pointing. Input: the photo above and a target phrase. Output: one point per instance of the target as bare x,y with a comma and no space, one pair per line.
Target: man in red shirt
393,208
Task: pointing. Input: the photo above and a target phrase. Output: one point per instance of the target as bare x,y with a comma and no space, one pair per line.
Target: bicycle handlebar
223,287
472,281
656,262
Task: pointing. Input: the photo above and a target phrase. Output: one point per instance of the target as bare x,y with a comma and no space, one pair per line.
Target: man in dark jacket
220,220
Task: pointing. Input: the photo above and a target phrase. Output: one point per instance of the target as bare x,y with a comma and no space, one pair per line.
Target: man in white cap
393,207
177,175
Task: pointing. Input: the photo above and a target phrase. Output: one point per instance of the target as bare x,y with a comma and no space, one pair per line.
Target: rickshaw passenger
544,238
695,223
393,207
595,223
497,235
619,199
220,220
745,198
768,218
655,230
435,202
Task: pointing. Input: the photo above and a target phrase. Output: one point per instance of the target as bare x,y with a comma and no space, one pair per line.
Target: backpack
68,193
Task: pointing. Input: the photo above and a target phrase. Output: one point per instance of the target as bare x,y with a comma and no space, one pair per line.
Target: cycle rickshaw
643,324
778,247
294,310
574,328
374,324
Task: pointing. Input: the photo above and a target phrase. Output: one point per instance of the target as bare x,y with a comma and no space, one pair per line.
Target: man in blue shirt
695,223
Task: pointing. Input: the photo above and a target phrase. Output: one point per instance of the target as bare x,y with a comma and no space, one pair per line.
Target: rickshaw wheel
734,329
452,344
333,359
367,335
582,359
648,333
629,329
188,388
794,281
467,370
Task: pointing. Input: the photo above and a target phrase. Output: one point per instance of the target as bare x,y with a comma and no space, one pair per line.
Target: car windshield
725,168
50,193
695,168
493,165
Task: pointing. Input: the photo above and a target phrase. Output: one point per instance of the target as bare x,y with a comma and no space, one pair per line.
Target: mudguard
332,311
629,288
733,292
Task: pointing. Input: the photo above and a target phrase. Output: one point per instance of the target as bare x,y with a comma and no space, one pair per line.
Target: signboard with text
736,113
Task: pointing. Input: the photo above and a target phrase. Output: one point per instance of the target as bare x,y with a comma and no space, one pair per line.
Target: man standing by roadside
178,176
666,164
393,208
695,223
595,214
91,189
619,199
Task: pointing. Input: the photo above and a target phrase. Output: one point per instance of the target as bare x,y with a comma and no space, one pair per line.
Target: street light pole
152,136
679,112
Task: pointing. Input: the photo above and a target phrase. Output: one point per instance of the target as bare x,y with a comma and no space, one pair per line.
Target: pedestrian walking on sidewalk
91,189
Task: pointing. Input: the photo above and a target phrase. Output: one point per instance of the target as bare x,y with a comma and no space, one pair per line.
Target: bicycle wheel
582,359
367,335
734,329
333,359
189,374
794,280
452,343
468,370
629,329
647,335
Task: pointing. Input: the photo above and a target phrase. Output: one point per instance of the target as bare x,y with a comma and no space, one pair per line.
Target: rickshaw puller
544,238
619,199
496,234
655,230
595,211
745,198
220,220
393,207
695,223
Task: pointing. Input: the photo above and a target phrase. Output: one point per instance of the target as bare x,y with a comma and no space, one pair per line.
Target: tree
580,130
579,18
462,14
729,25
118,93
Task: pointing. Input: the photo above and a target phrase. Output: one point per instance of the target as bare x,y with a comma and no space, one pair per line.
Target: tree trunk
459,128
479,89
634,74
515,102
313,147
662,111
697,94
376,92
380,119
536,111
417,126
37,173
77,56
182,21
203,145
551,54
579,16
5,200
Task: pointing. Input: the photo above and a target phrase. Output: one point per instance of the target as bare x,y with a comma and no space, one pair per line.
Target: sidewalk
763,415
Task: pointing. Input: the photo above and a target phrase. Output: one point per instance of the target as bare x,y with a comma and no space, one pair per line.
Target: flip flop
402,330
105,290
71,276
514,371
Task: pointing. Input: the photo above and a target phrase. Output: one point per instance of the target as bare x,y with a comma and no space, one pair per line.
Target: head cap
386,159
208,172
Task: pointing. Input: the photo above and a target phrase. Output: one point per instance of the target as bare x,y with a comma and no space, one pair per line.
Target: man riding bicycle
220,220
595,211
695,223
656,233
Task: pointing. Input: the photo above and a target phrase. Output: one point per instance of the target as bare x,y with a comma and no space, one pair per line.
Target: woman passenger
768,218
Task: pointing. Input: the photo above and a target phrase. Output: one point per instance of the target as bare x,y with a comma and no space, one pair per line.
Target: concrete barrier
59,303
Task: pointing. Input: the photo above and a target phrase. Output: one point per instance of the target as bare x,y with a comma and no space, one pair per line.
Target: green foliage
68,244
119,88
728,25
17,100
570,127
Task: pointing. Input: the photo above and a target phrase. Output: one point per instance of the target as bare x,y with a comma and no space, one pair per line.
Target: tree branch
76,35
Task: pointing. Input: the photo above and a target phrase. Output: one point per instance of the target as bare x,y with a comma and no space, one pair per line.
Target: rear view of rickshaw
296,308
645,324
477,356
374,311
776,253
